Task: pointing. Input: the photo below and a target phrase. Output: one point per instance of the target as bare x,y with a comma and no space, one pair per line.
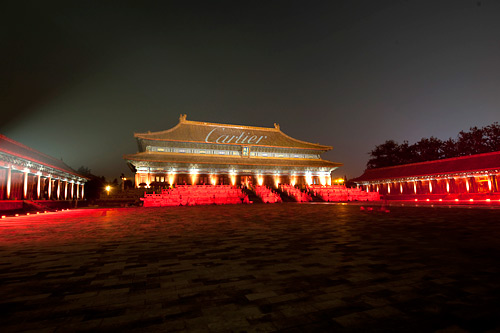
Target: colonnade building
195,152
27,174
452,178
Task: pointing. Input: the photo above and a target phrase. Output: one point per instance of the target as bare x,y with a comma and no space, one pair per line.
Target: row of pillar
56,188
438,186
229,179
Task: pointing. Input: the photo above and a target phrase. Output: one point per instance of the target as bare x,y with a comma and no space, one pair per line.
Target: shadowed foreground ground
292,267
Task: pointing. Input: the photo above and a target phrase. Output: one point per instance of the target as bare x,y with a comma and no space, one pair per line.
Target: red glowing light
471,199
416,199
456,199
16,215
488,200
3,216
440,199
428,200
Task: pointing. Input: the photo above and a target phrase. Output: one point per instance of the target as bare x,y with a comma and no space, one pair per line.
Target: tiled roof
472,163
14,148
151,157
195,131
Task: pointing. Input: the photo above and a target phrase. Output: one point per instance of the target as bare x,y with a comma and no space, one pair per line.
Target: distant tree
95,184
84,171
492,136
383,155
428,149
450,148
128,184
472,142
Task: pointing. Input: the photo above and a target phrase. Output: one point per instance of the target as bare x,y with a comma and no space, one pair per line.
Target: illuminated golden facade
195,152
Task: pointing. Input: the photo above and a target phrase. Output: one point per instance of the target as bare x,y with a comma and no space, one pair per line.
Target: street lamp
108,188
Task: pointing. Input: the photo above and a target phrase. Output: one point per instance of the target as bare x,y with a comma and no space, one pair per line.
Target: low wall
6,205
444,197
25,205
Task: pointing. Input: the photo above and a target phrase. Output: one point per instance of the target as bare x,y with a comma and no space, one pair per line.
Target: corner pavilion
196,152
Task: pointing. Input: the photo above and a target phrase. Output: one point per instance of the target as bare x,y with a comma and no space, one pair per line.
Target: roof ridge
275,129
301,141
437,161
183,120
29,148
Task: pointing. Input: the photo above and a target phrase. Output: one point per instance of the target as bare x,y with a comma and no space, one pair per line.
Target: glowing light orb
309,179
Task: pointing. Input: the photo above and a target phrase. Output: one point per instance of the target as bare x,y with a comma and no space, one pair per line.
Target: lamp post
108,188
123,178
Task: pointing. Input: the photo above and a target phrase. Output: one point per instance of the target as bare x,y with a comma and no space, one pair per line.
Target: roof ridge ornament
182,117
277,126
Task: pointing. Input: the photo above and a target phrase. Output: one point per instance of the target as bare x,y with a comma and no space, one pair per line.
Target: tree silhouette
94,186
384,155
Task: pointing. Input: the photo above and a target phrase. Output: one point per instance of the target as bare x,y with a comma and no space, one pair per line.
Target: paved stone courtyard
252,268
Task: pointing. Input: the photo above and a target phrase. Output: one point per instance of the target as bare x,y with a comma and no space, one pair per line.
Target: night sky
79,78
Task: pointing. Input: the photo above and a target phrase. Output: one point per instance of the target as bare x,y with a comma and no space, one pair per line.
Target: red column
49,189
9,181
38,186
25,185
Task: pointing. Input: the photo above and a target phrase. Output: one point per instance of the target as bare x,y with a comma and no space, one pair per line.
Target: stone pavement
252,268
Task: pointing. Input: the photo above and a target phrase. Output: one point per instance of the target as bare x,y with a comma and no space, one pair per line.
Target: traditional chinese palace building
453,178
27,174
195,152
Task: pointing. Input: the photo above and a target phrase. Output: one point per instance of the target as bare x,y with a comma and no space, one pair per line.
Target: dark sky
78,78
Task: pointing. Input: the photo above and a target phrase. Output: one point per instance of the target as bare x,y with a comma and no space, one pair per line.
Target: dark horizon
79,80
